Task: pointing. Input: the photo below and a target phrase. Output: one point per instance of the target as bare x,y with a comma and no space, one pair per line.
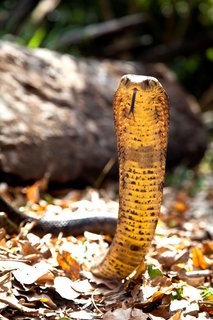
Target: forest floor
49,278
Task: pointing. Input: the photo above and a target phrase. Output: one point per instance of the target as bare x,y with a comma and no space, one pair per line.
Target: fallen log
56,115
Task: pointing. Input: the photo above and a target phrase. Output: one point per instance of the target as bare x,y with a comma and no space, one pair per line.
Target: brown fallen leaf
207,307
118,314
198,258
63,286
44,278
82,314
191,293
33,192
27,247
207,247
137,314
111,284
70,266
32,297
192,309
152,303
82,286
12,302
169,257
180,206
177,305
176,316
26,274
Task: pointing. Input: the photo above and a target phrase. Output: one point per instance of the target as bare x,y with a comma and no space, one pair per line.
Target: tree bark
56,115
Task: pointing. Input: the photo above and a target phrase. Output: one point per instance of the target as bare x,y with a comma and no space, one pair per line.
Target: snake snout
144,82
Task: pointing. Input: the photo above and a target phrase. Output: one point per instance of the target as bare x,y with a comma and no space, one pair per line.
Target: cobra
141,116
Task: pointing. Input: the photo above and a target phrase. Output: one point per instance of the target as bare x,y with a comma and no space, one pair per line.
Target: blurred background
177,33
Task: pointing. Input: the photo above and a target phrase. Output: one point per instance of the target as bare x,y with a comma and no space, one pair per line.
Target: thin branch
43,8
168,51
99,30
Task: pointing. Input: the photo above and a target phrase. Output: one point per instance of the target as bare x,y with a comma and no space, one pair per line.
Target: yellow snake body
141,124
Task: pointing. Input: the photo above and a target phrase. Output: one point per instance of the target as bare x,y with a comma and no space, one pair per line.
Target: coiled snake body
141,124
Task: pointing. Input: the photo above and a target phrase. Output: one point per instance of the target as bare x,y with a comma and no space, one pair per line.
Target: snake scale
141,116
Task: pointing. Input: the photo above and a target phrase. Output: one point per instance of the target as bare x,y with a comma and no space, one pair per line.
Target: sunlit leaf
180,206
37,38
178,293
198,258
153,301
33,192
70,266
26,274
207,294
154,272
63,286
176,316
206,306
208,247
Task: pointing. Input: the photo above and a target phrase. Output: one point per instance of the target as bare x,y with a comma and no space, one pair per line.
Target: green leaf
177,294
207,293
154,272
37,38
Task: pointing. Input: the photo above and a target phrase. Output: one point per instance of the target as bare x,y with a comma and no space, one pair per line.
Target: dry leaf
33,192
177,305
27,247
82,315
63,286
82,286
206,307
176,316
12,302
153,302
36,296
192,309
137,314
198,258
70,266
169,257
126,314
118,314
207,247
170,252
26,274
181,207
191,293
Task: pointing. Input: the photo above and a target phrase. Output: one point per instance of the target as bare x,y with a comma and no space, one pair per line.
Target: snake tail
75,224
141,115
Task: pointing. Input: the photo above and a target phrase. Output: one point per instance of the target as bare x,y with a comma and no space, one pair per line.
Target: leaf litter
50,278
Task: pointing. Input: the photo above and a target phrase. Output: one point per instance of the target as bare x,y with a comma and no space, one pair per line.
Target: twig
99,30
94,303
167,51
199,273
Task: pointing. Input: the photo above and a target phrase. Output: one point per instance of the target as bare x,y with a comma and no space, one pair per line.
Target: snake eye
148,83
145,84
125,80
